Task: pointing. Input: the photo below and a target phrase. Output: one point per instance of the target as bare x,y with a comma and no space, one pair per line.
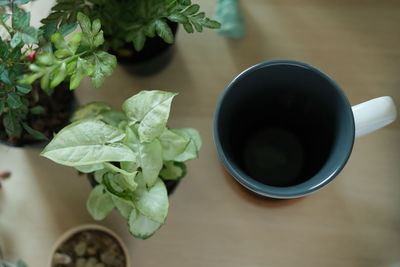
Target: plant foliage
130,152
28,54
134,20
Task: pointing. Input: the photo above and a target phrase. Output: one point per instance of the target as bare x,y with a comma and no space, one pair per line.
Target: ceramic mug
285,129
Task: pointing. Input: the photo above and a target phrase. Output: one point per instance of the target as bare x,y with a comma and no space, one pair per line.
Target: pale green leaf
60,73
90,168
172,144
88,142
104,65
153,202
151,109
90,110
125,207
192,149
173,170
99,203
141,226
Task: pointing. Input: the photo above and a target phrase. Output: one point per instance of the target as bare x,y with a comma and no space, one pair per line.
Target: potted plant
36,67
89,245
131,154
137,31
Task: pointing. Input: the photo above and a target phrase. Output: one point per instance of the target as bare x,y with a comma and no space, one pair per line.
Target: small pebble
108,257
61,258
80,262
91,251
80,248
91,262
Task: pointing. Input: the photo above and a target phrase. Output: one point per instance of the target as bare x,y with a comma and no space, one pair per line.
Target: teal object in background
229,15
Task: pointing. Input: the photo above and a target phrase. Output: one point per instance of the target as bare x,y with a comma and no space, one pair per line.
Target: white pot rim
84,227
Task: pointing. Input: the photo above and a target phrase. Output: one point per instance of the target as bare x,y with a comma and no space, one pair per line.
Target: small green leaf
16,40
98,39
191,10
29,35
188,28
100,203
96,26
10,122
212,24
45,59
4,77
2,105
14,100
150,29
173,170
178,17
63,49
84,22
60,73
172,144
36,134
164,31
192,149
139,39
3,50
45,81
75,41
66,29
83,68
20,19
24,88
37,110
49,29
104,65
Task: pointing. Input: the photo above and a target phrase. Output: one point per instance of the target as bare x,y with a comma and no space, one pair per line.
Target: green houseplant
136,30
36,67
131,153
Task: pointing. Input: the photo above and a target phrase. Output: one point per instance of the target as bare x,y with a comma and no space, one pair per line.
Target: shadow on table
255,198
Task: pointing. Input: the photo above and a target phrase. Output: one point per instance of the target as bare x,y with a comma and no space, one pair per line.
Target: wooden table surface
213,221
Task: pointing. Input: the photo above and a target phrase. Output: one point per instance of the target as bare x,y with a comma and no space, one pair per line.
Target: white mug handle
374,114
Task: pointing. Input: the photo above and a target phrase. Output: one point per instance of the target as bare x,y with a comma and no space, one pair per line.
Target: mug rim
299,190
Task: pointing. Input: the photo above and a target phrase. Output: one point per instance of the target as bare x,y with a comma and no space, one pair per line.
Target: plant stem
6,27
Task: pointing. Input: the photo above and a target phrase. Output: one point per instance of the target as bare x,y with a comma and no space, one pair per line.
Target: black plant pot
155,55
59,107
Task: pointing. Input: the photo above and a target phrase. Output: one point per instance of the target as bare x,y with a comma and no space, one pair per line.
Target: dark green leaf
36,134
14,100
4,77
37,110
20,19
3,50
2,104
150,29
16,40
188,28
184,2
178,17
96,26
24,88
197,26
164,31
209,23
193,9
10,122
66,29
49,29
30,35
139,40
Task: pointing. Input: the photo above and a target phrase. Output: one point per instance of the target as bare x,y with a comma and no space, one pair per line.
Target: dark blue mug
284,129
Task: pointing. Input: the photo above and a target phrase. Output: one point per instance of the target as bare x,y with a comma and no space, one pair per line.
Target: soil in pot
89,248
155,55
58,108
